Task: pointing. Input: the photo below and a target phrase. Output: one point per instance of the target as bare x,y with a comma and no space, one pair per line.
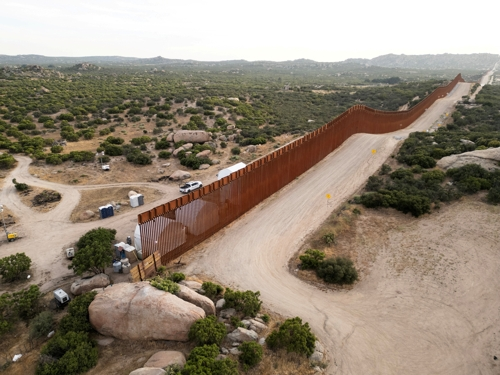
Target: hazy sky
251,30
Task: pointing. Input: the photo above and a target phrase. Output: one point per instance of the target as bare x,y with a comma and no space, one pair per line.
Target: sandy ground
392,322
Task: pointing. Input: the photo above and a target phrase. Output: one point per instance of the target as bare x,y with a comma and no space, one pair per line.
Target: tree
94,251
248,302
13,266
6,161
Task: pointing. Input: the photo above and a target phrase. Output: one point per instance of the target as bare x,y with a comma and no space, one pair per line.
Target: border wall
173,228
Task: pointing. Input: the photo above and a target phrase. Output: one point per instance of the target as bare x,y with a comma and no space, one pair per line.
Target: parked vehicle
190,186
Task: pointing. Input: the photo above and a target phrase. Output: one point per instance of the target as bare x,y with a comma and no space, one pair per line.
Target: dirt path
45,235
367,330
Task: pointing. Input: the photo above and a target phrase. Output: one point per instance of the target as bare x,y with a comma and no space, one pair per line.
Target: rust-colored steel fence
175,227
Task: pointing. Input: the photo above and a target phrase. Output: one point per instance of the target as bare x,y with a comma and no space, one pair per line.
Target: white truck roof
227,171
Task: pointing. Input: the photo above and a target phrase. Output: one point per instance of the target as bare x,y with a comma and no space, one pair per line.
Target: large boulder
204,154
179,175
166,358
488,159
87,215
86,285
242,334
192,136
195,285
139,311
197,299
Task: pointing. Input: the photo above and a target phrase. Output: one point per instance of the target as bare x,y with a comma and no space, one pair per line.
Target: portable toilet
134,200
110,210
140,197
103,212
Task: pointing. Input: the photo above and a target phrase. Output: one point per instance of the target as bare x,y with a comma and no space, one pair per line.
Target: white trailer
227,171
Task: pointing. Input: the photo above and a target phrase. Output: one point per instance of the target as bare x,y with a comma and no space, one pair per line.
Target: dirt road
371,329
45,235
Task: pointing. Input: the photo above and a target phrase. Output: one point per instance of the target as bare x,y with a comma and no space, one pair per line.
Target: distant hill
475,61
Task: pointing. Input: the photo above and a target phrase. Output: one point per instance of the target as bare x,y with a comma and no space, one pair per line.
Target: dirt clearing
93,199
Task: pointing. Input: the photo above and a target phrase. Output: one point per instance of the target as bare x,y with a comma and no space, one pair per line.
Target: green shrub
194,162
337,271
385,169
7,161
41,325
433,177
77,319
293,336
493,196
202,361
211,289
165,284
68,354
223,144
266,318
329,238
207,331
20,186
401,174
236,322
56,149
53,159
164,155
12,267
235,151
311,259
247,302
374,183
177,276
251,354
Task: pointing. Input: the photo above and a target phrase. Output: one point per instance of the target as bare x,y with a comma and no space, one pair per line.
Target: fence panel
175,227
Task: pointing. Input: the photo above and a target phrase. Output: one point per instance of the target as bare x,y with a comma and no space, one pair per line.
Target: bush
20,186
53,159
329,238
207,331
311,259
493,196
248,302
6,161
293,336
56,149
194,162
13,266
235,151
251,354
202,361
433,177
164,155
165,284
211,289
266,318
77,319
41,325
374,183
223,144
385,169
236,322
337,271
177,276
68,354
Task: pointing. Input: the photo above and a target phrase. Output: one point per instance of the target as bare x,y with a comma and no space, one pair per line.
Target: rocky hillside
478,61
